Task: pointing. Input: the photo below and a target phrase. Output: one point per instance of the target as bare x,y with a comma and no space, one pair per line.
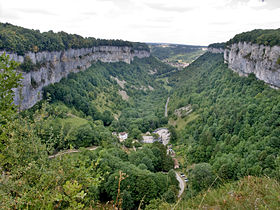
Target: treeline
267,37
21,40
221,45
237,130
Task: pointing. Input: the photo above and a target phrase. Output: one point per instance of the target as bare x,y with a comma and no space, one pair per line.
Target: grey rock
57,65
215,50
245,58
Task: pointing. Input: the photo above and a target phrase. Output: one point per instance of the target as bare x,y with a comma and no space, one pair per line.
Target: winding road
166,105
71,151
181,184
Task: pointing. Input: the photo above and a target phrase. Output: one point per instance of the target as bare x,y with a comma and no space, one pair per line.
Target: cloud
178,21
89,13
221,23
34,11
167,8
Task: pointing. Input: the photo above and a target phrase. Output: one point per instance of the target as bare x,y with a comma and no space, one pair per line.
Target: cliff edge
51,67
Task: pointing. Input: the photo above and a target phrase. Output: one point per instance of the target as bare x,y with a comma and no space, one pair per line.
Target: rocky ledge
215,50
51,67
263,61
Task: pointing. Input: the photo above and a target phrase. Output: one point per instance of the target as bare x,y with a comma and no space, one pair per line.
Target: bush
201,177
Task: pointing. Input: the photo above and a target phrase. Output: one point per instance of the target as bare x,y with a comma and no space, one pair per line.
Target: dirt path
71,151
181,184
166,105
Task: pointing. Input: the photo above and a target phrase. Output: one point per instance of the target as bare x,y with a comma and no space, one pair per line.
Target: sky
197,22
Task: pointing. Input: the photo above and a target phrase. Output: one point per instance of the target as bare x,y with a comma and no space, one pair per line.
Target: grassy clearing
181,123
75,121
187,57
165,83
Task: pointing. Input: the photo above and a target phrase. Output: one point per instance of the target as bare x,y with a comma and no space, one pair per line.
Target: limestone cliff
215,50
263,61
53,66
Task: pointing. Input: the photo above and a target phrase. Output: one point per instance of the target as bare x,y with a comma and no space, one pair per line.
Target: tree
201,177
9,79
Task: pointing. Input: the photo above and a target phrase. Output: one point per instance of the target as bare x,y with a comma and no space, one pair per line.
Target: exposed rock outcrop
215,50
53,66
263,61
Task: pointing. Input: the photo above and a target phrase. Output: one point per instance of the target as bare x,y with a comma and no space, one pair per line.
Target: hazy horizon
192,22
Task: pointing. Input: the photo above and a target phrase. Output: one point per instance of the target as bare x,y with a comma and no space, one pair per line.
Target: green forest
82,111
21,40
230,137
269,37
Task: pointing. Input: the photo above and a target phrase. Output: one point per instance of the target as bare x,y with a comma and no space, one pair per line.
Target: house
123,136
148,139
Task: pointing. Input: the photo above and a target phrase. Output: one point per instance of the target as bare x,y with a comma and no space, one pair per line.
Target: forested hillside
124,96
233,129
21,40
269,37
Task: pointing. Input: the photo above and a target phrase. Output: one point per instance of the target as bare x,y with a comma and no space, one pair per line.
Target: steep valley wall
51,67
246,58
263,61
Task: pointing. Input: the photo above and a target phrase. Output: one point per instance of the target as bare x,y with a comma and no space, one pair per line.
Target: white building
123,136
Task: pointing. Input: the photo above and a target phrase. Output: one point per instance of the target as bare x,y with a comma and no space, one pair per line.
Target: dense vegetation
21,40
88,179
95,93
32,180
221,45
247,193
230,132
267,37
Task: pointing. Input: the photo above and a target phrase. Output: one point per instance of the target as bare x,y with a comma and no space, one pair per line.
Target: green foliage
21,40
27,65
221,45
169,196
248,193
95,93
9,79
267,37
31,180
138,184
201,177
153,157
236,129
278,61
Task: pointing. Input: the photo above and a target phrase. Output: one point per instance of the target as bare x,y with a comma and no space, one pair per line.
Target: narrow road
71,151
181,184
166,105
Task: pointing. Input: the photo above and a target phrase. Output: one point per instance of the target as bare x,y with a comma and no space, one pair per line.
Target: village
161,135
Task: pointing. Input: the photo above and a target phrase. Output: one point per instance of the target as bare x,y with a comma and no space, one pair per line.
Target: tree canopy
21,40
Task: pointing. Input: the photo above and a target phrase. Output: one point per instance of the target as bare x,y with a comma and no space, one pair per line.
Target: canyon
51,67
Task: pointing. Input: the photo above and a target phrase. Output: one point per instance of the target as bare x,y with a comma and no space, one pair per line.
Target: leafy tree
9,79
201,177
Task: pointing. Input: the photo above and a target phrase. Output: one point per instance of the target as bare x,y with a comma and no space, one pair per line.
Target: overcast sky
199,22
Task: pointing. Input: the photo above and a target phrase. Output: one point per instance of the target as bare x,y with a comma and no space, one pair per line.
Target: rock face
215,50
53,66
263,61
